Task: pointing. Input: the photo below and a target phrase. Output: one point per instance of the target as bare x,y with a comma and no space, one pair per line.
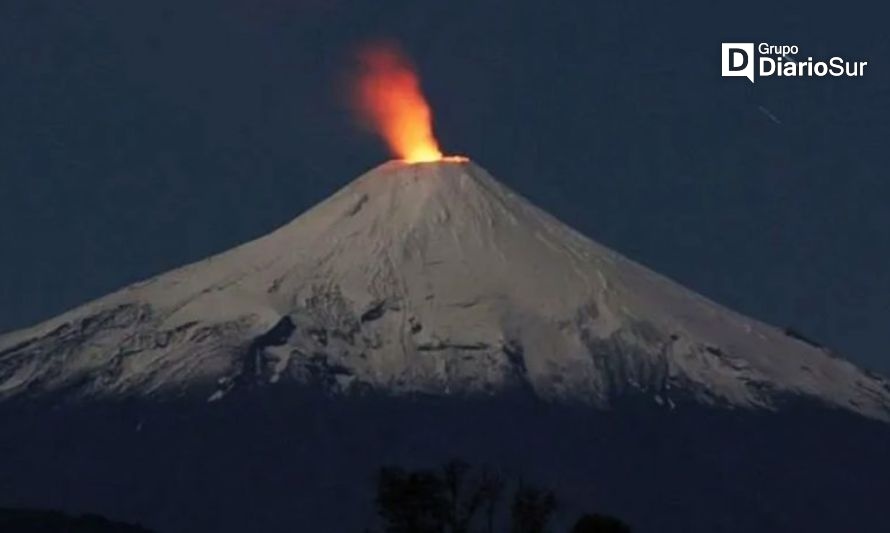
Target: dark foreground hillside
269,461
43,521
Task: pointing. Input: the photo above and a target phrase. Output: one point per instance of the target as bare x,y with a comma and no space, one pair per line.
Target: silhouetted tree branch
531,509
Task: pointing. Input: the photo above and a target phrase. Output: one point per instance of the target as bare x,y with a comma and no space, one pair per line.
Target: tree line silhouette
457,498
454,498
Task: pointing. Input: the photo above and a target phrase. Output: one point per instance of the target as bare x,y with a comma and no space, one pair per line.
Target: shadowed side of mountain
277,460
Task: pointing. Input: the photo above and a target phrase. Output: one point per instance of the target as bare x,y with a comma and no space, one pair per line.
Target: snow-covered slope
431,278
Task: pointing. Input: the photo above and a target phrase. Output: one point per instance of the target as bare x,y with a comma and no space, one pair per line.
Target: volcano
427,278
425,312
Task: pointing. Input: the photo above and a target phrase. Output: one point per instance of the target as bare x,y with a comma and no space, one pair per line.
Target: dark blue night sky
138,136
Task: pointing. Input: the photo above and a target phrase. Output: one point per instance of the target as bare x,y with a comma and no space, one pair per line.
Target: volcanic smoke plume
387,95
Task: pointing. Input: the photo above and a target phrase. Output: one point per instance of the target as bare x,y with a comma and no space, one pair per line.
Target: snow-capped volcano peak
434,278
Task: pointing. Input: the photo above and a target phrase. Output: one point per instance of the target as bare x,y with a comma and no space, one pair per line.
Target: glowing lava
389,99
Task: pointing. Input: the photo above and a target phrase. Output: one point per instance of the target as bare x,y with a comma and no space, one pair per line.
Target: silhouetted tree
491,485
531,509
411,502
597,523
464,496
460,499
451,500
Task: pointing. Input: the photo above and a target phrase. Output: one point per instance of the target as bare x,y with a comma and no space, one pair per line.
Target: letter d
738,60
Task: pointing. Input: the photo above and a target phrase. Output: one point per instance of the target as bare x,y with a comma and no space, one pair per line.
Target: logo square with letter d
738,60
